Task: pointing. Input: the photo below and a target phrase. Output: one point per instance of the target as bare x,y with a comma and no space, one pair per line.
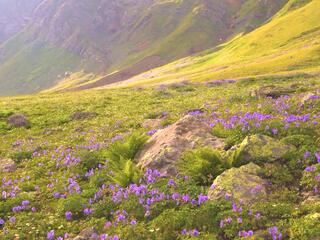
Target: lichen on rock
260,149
242,184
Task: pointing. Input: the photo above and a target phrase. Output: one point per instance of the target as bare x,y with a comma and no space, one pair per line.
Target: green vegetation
272,49
202,165
71,166
85,168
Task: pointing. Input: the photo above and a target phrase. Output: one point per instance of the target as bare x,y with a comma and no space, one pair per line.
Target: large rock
7,165
260,149
242,184
167,145
18,120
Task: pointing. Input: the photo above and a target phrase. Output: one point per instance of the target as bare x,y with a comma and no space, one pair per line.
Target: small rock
83,115
312,200
7,165
167,145
240,184
305,98
50,131
87,234
18,120
219,82
152,124
259,149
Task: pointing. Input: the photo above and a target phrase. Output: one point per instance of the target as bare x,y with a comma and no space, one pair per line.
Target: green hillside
161,120
274,48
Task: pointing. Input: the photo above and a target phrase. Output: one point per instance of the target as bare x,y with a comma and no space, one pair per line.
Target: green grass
121,112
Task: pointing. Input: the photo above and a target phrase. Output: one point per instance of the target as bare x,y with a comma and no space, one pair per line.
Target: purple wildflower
68,215
318,156
50,235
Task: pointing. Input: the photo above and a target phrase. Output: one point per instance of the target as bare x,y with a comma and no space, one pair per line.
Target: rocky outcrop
7,165
18,120
260,149
242,183
167,145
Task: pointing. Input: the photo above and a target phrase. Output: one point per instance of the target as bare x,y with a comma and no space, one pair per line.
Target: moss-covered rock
242,183
260,149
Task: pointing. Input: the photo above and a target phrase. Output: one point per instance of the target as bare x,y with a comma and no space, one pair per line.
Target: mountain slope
15,15
122,37
273,48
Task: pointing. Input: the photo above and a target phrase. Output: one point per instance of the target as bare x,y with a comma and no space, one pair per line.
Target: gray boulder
241,184
18,120
167,145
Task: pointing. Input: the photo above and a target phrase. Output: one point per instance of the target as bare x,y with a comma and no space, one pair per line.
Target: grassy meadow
73,174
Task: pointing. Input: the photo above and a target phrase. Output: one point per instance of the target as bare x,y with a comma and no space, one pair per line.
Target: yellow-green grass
288,43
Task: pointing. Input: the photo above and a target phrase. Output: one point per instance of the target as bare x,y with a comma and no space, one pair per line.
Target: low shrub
202,165
18,157
73,203
127,148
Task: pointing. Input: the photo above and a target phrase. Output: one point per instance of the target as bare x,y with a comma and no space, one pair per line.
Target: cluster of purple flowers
193,233
88,211
9,188
73,187
152,132
51,235
274,233
245,234
63,156
24,205
250,120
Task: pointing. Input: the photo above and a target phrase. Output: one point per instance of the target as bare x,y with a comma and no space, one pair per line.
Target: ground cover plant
69,175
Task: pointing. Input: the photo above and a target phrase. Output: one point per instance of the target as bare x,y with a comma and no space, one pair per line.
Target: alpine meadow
160,119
